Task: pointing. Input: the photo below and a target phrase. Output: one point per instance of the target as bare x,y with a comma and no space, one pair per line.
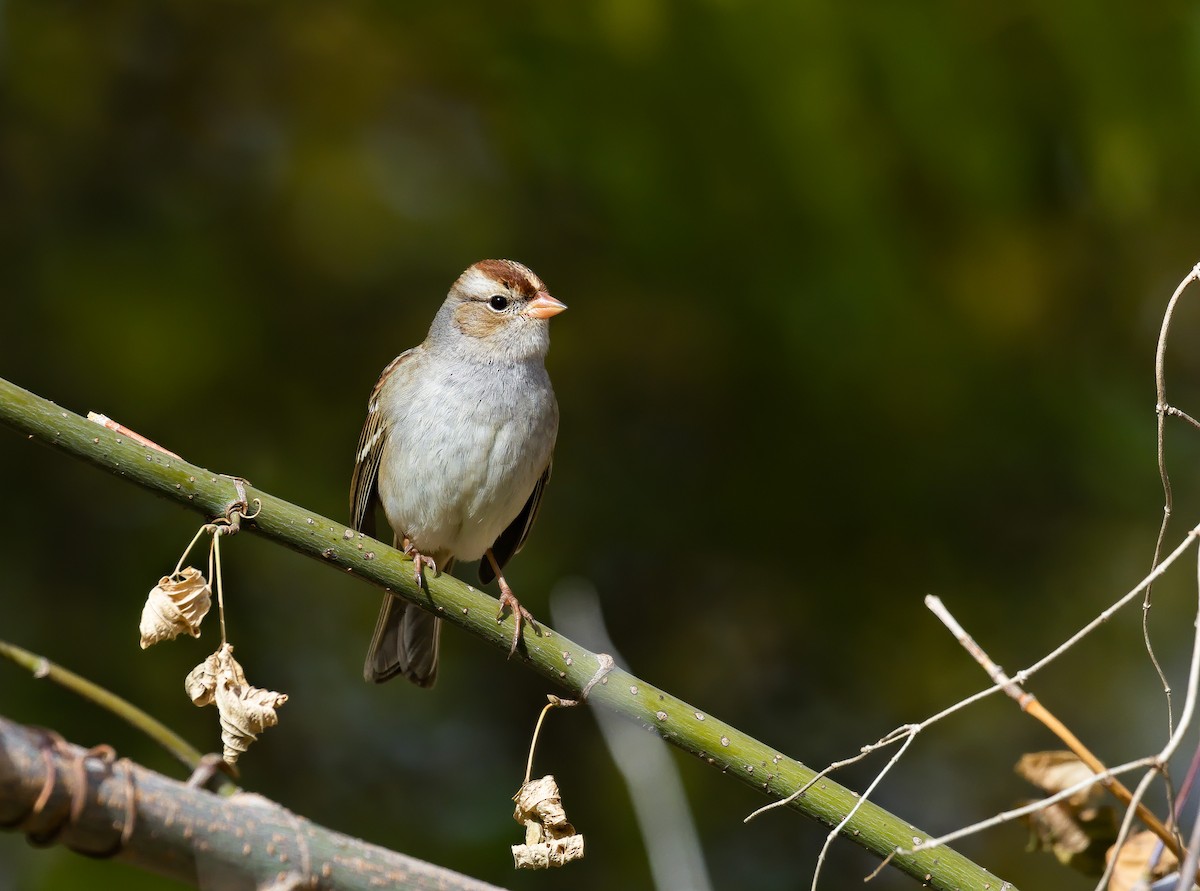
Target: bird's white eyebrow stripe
475,281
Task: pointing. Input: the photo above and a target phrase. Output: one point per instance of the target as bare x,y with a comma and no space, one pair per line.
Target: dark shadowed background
863,303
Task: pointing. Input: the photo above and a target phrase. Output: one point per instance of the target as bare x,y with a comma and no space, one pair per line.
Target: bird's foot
420,562
519,613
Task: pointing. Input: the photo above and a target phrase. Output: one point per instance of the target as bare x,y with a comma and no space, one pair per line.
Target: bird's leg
420,561
510,602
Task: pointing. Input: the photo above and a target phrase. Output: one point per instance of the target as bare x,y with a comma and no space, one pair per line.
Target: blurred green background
863,302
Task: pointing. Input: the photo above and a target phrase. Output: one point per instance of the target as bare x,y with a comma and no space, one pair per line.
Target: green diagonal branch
556,658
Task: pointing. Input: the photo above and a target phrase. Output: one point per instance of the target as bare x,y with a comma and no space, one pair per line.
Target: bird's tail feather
405,642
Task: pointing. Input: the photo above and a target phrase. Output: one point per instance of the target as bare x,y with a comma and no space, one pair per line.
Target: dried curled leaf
1133,866
1054,771
245,711
201,681
549,839
176,605
1077,830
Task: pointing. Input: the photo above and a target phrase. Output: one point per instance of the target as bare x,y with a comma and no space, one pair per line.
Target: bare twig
1149,761
1155,764
905,734
1012,685
833,833
1192,861
1154,575
1163,410
904,731
1034,708
1126,827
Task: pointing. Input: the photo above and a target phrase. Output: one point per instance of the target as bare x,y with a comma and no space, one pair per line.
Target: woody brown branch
56,792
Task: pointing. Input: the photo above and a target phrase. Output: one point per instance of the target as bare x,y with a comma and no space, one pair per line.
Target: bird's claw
420,563
520,617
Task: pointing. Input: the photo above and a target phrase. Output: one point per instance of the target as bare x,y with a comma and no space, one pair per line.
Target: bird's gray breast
466,448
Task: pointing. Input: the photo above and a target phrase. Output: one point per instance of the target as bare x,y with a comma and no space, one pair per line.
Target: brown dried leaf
201,682
549,839
1077,839
245,711
1054,771
1133,863
176,605
556,852
1077,830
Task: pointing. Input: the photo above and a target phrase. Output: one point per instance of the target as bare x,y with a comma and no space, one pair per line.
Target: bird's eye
498,302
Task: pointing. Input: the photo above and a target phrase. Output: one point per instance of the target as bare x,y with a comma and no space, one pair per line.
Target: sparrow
457,448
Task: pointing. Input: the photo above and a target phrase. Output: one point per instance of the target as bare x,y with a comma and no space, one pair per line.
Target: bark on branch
99,806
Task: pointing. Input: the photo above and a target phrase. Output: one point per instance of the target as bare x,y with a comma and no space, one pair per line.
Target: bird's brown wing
364,484
512,539
406,636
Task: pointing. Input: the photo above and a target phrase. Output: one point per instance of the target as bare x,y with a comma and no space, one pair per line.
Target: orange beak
543,306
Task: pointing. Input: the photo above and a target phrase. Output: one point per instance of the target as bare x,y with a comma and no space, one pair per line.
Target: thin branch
1126,826
1042,803
1168,837
1162,410
907,732
1035,709
1105,614
841,825
1154,763
562,661
1029,703
1192,861
1193,682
